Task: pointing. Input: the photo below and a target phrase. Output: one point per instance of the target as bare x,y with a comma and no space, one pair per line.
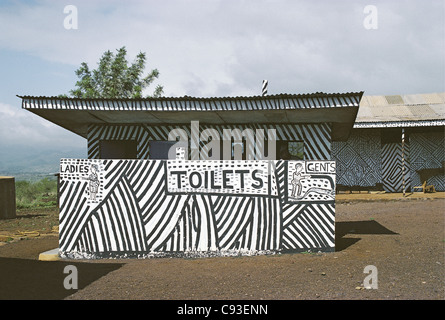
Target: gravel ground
403,239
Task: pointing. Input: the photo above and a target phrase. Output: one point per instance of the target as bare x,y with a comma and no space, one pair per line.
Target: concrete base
50,255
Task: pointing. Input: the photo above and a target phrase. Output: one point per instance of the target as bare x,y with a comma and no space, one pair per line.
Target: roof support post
403,161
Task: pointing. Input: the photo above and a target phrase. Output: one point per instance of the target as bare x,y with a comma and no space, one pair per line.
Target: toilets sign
221,177
306,180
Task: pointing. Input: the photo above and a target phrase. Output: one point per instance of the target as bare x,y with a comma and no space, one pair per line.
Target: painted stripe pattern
317,142
392,167
309,226
316,137
114,226
306,225
363,161
264,87
267,102
358,159
137,217
427,159
400,124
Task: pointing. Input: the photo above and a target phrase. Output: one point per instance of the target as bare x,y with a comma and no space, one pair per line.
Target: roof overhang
77,114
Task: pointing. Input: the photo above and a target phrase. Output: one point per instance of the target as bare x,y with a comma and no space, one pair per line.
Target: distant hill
32,163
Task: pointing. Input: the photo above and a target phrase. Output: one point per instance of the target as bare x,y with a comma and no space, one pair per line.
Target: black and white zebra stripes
427,159
186,103
264,88
316,137
395,171
136,216
363,161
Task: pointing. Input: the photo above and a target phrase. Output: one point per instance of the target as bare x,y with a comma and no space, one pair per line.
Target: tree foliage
114,78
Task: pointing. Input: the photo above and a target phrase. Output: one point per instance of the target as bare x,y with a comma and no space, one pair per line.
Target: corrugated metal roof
414,99
374,101
394,99
339,109
401,110
433,98
186,103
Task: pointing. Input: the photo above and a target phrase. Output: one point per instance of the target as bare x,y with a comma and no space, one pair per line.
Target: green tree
114,78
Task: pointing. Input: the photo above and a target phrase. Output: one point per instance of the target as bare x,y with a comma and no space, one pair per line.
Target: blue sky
217,48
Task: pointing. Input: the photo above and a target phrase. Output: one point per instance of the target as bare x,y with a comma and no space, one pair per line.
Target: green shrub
42,193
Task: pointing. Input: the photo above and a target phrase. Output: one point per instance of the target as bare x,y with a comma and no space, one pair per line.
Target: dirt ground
403,239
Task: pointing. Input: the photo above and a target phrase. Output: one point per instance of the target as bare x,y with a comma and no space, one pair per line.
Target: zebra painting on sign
147,208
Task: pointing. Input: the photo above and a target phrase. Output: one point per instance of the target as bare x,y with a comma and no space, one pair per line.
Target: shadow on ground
26,279
356,227
23,279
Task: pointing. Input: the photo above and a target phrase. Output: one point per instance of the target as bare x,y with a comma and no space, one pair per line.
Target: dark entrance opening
118,149
159,149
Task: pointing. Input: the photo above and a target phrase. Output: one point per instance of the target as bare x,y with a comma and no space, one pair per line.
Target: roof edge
400,123
358,94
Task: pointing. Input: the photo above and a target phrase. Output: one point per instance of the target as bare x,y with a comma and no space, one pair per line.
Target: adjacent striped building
374,156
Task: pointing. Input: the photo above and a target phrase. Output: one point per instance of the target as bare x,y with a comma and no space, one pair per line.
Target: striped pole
403,160
264,87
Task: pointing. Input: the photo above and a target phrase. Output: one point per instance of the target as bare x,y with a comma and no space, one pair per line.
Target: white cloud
21,127
228,47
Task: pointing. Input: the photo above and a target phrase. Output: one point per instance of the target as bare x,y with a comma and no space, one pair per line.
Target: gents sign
310,181
319,167
221,177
